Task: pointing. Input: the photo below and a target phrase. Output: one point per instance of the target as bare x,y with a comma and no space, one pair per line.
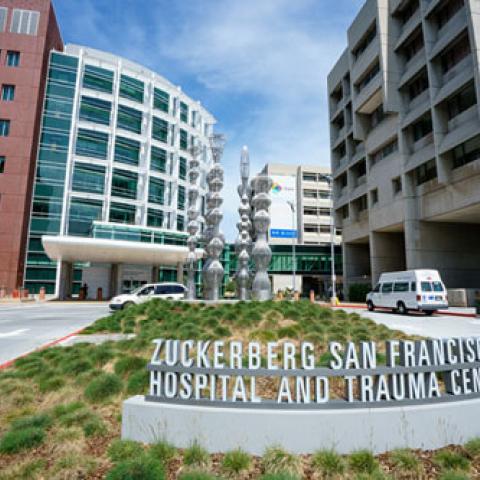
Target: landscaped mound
60,408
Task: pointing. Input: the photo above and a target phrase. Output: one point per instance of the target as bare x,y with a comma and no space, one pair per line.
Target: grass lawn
60,408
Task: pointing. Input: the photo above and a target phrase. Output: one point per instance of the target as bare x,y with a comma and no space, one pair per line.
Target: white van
421,290
165,291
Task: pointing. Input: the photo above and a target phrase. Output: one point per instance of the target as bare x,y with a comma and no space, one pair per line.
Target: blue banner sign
282,233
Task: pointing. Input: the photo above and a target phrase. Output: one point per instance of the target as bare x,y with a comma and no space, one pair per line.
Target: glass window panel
158,159
4,128
97,78
92,144
127,151
82,214
183,139
181,198
131,88
129,119
13,59
95,110
180,223
8,93
161,100
124,184
156,191
2,164
154,218
3,18
88,178
182,168
122,213
160,129
183,112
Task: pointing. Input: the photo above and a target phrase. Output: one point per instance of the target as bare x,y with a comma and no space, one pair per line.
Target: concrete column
180,272
116,279
387,253
155,274
66,281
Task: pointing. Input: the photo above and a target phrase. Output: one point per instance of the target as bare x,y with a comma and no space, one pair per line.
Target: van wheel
370,306
401,308
126,305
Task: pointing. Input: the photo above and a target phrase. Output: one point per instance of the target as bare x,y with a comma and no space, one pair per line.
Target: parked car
421,290
165,291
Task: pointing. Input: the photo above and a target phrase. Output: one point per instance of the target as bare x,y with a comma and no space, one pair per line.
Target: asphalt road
25,327
436,326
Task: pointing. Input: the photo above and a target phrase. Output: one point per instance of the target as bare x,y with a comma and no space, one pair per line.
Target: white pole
294,241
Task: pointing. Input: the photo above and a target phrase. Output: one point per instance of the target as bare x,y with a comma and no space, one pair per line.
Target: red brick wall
20,147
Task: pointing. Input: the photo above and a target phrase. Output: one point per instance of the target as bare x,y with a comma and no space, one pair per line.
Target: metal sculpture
244,241
193,224
261,253
214,239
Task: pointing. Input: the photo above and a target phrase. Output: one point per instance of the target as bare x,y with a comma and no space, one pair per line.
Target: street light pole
294,256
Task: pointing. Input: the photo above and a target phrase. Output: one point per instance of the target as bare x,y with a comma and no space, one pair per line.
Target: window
426,286
181,198
183,139
183,112
345,211
13,59
126,151
384,152
422,128
95,110
3,18
368,77
158,159
131,88
129,119
24,22
401,287
182,168
397,185
4,128
2,164
154,218
309,177
418,85
466,152
377,288
377,116
8,93
426,172
365,41
88,178
83,213
156,191
438,287
124,184
122,213
180,223
97,78
92,144
448,10
362,203
374,196
160,130
414,45
408,11
462,101
387,288
454,54
413,287
161,100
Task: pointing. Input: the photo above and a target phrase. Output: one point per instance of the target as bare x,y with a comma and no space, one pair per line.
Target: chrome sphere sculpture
214,239
193,225
262,254
244,241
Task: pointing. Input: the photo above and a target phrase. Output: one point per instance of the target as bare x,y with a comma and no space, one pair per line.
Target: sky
259,66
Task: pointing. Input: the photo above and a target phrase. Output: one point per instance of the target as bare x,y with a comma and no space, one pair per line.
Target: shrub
448,460
129,364
120,450
76,417
163,451
357,292
277,460
363,461
103,387
102,354
94,427
235,462
138,382
279,476
140,468
473,447
406,463
50,384
452,475
196,456
23,439
196,476
41,420
75,366
328,463
66,408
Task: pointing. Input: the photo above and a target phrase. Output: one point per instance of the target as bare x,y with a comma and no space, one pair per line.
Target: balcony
463,74
363,100
417,107
412,23
449,32
413,66
464,64
363,62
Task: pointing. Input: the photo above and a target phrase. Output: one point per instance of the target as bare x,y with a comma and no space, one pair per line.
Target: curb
9,363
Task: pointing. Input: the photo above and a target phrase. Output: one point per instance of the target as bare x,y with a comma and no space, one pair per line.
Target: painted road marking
14,333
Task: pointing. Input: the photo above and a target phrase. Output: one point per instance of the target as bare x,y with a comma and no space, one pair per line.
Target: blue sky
259,66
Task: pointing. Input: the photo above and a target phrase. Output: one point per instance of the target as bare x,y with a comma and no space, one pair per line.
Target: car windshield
437,287
137,290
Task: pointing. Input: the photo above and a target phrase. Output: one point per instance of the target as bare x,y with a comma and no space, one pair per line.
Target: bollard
41,293
15,293
99,294
279,295
312,296
296,296
3,292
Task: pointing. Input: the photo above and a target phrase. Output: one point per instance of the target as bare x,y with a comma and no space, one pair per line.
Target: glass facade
156,191
158,159
161,100
129,119
95,110
88,178
82,214
124,184
91,144
127,151
131,88
122,213
160,129
99,79
182,168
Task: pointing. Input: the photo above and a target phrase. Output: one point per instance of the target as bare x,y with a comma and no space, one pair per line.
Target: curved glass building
111,176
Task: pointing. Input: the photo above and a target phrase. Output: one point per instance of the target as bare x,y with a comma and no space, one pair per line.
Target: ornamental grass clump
137,382
196,456
277,460
196,475
129,364
363,461
235,462
472,447
405,464
120,450
103,387
279,476
163,451
448,460
328,464
41,420
21,439
139,468
454,475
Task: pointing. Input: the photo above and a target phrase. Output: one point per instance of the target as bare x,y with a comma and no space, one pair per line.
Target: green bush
196,456
138,382
357,292
41,420
277,460
196,476
363,461
279,476
473,447
102,354
50,384
328,463
129,364
94,427
103,387
406,463
120,450
22,439
66,408
453,475
75,366
448,460
235,462
139,468
163,451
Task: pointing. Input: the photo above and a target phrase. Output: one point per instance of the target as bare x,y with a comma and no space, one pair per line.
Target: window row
23,21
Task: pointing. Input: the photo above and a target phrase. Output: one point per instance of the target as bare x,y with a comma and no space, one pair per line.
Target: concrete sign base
219,429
